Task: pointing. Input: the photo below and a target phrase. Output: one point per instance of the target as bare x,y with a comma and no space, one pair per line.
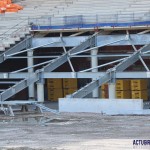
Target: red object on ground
7,6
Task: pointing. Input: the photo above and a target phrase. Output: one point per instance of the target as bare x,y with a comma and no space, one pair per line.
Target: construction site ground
71,131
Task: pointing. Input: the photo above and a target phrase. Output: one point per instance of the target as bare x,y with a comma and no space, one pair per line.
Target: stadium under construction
89,59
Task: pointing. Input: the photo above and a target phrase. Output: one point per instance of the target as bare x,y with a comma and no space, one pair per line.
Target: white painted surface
94,63
112,90
40,92
30,70
105,106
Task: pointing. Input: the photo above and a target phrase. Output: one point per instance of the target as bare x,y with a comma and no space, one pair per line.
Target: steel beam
131,59
82,75
141,39
62,59
137,39
29,49
40,64
146,49
50,67
69,41
18,47
69,61
55,63
88,75
6,75
110,74
100,66
101,55
87,43
91,86
141,59
18,87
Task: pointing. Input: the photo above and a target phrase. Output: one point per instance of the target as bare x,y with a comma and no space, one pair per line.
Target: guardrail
78,21
83,21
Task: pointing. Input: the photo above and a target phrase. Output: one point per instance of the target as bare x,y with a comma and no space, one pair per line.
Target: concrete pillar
112,90
30,62
40,92
94,63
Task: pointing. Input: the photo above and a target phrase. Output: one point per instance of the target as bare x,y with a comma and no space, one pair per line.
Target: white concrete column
40,92
94,63
112,90
30,62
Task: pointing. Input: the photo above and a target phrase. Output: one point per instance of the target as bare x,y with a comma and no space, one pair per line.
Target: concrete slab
72,131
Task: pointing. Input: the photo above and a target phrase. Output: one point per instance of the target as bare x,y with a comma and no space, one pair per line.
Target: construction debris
8,6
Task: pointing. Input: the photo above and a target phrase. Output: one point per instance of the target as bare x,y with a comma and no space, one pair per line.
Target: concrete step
2,48
7,42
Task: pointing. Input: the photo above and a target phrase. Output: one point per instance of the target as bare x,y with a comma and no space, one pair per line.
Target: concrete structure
112,90
94,63
103,106
51,13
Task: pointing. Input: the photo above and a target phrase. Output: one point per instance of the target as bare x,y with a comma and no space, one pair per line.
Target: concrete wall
104,106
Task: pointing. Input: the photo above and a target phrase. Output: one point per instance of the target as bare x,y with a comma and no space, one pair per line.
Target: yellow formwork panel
104,94
138,85
54,83
55,94
104,87
69,91
70,83
123,94
122,85
140,95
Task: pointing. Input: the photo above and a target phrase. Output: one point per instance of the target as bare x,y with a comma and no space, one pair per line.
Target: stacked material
123,89
128,89
59,88
104,91
139,89
55,90
69,86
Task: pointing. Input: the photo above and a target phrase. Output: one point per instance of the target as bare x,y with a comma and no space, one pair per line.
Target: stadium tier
70,14
97,41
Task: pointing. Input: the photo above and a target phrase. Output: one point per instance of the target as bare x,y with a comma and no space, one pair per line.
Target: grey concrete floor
71,131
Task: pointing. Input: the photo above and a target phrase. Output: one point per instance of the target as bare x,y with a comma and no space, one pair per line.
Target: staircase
15,26
15,32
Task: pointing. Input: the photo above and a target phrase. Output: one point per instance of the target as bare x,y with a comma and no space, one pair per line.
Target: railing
78,21
81,21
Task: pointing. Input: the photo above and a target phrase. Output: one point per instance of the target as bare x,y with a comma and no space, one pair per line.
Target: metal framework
81,45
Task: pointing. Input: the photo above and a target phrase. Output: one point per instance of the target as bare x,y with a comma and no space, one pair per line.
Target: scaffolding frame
81,45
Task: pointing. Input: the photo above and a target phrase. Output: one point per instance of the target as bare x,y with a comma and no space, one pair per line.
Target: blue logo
141,144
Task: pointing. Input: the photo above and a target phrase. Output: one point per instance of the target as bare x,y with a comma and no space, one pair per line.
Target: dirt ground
72,131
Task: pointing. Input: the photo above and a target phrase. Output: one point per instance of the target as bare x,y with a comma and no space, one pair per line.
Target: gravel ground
72,131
